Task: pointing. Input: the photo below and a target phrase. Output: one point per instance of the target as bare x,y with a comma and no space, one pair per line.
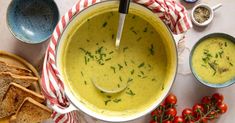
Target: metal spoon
110,91
123,10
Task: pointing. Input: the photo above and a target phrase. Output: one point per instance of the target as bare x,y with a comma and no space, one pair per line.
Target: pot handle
65,110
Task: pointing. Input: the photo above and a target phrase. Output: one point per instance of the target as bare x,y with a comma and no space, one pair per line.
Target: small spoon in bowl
109,91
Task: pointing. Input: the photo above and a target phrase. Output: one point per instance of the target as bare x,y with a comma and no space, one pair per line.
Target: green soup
214,61
141,61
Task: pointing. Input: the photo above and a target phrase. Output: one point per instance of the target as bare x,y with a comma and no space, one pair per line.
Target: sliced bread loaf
31,111
6,78
4,67
14,97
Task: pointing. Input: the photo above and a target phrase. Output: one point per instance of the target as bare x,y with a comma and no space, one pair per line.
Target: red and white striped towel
172,13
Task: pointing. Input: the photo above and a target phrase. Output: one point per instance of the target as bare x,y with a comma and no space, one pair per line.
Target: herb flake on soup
140,63
213,60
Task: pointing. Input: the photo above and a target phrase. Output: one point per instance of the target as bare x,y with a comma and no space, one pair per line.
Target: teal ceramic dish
225,84
32,21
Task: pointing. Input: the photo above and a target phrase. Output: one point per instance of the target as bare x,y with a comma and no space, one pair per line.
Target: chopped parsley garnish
204,65
231,64
113,69
213,67
138,39
216,55
107,101
141,65
111,52
130,92
104,24
118,85
221,53
107,59
120,78
142,72
151,49
134,32
125,63
129,80
145,29
85,59
163,86
133,17
120,66
108,96
117,100
132,28
132,72
125,48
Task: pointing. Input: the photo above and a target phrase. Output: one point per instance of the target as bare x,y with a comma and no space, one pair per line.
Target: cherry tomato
178,119
198,109
171,112
161,106
167,121
212,115
206,100
219,98
171,99
187,112
222,107
202,120
154,113
153,121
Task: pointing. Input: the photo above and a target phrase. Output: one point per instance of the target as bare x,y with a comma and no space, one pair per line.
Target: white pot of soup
144,66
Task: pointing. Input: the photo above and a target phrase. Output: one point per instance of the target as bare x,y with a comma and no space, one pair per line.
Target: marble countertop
186,87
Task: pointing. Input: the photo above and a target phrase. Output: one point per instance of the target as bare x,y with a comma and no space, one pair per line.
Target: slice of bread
31,111
14,97
6,78
4,67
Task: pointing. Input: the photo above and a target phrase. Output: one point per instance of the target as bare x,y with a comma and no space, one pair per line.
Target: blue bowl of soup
32,21
212,60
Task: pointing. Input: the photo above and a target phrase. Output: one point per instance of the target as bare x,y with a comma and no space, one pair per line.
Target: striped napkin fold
172,13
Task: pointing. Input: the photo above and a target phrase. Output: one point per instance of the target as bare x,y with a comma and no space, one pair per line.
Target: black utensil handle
124,6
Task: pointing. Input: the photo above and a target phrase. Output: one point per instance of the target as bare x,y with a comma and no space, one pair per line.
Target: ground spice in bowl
201,14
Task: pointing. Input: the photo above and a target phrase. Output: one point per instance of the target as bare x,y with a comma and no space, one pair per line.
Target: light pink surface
186,88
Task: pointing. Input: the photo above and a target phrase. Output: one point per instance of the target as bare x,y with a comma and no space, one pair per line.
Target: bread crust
23,115
14,97
6,78
4,67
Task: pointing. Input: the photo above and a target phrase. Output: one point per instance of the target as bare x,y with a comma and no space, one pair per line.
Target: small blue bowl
190,1
32,21
225,84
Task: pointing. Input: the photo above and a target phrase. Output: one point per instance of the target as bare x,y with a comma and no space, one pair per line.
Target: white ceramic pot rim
77,105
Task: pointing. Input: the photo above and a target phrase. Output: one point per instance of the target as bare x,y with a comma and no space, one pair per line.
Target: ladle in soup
123,10
109,90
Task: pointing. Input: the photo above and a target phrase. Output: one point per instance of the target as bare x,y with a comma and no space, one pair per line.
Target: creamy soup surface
214,61
140,62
